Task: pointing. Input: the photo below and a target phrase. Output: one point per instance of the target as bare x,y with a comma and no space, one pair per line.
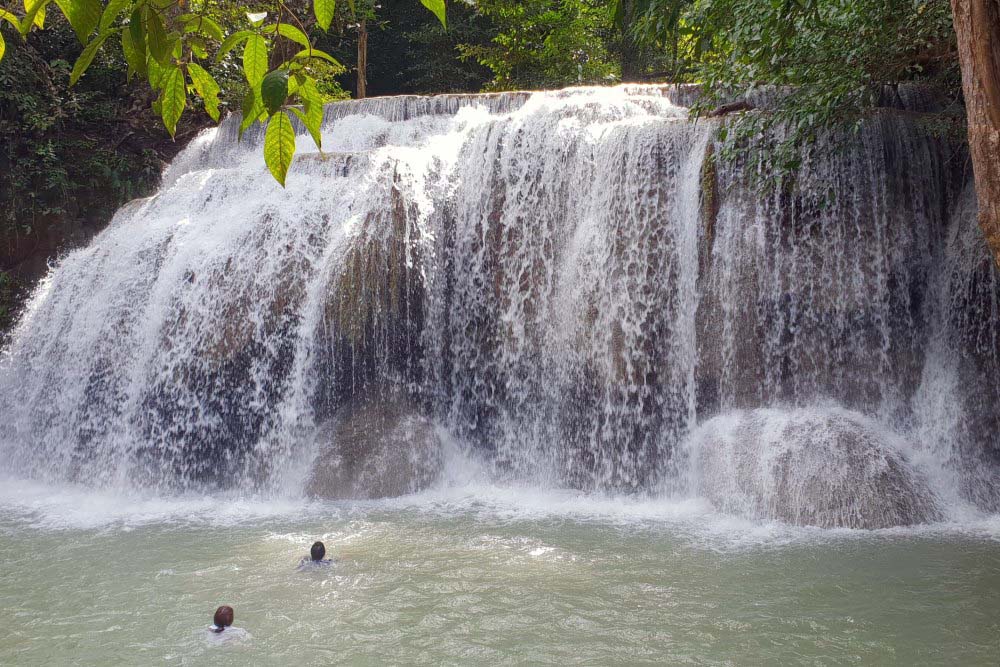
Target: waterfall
816,281
565,285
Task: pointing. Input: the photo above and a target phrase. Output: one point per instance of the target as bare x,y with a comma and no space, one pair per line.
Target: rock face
376,447
829,468
815,288
957,398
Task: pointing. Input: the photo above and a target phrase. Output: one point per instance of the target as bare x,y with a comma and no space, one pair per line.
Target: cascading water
564,284
815,283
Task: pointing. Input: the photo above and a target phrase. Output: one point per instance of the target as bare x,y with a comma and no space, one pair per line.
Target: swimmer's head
318,551
223,616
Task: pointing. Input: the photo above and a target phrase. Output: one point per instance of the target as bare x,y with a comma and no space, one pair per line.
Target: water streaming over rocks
561,286
816,467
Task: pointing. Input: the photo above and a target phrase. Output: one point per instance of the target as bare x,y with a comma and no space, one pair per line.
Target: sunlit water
481,575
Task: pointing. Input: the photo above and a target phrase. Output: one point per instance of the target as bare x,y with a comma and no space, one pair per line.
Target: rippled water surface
495,576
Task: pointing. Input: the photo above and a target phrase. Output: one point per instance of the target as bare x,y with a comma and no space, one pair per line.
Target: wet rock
956,401
732,107
227,348
376,447
374,310
829,468
814,286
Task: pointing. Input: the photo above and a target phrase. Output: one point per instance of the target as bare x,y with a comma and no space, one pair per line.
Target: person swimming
222,620
316,556
222,631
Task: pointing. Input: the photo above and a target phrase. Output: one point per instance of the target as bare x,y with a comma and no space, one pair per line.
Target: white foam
73,507
693,521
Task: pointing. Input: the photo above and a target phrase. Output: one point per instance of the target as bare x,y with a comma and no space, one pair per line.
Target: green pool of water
495,576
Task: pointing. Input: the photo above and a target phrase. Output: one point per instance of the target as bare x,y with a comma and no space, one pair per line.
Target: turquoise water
481,576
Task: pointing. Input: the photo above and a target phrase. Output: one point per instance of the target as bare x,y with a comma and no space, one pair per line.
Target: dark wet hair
223,616
318,551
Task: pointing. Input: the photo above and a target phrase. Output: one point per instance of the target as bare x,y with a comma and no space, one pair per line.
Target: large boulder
829,468
376,447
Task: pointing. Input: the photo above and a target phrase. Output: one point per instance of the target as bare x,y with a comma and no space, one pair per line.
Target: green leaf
324,10
37,15
83,15
87,57
4,14
155,73
255,59
156,37
198,46
137,30
316,53
207,88
173,99
111,12
274,90
10,18
279,146
231,42
32,8
437,8
136,59
203,25
289,31
252,109
618,14
312,103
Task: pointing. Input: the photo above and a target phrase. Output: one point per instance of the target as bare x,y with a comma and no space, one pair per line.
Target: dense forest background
69,156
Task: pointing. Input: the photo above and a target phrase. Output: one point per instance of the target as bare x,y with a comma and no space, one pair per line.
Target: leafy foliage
409,51
163,40
207,88
9,297
834,56
279,144
69,157
836,53
546,43
437,7
325,10
826,60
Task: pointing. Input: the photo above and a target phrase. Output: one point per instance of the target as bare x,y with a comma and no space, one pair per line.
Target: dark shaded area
410,53
69,158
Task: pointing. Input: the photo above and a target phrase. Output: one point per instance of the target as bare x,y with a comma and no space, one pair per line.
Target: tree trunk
362,60
977,26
